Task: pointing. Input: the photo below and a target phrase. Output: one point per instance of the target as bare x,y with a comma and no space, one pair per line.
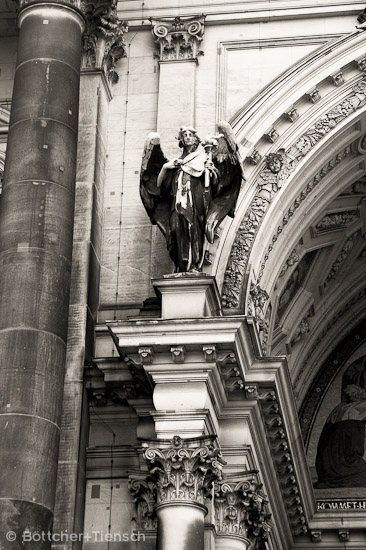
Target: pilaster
179,45
103,40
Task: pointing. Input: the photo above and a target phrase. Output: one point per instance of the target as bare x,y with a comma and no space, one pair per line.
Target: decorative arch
303,140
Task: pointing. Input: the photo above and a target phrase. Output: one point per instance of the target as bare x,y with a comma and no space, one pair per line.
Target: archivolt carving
299,199
336,219
291,260
274,174
341,258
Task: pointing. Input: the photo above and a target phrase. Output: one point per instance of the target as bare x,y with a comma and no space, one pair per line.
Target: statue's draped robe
341,454
189,210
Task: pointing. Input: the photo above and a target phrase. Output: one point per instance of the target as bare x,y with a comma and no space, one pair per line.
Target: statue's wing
229,164
155,199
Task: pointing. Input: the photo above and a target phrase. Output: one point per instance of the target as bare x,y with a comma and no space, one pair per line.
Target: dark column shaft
36,224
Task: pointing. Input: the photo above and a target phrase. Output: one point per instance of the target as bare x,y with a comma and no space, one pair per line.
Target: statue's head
274,161
188,137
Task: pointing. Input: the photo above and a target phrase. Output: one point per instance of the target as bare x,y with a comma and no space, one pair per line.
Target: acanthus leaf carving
143,491
182,472
241,510
104,43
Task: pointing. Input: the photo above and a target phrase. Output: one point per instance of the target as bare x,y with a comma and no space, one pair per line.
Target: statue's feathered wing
228,162
157,201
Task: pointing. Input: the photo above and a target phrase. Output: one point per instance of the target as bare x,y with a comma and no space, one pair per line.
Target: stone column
183,472
241,516
36,230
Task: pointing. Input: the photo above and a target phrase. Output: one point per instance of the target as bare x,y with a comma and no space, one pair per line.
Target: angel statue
189,196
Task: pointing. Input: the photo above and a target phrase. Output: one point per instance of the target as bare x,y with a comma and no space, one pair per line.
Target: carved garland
278,167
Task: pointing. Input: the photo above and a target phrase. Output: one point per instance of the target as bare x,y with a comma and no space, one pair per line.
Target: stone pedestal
188,296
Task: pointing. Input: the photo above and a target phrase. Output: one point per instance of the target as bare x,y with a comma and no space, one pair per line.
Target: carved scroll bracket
179,39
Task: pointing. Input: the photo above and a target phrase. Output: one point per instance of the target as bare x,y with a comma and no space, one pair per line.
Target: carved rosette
179,39
143,492
103,42
182,473
241,510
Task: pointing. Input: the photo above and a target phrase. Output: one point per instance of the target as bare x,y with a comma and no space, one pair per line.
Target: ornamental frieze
277,169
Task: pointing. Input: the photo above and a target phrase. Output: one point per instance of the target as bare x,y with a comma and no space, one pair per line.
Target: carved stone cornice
183,470
179,39
103,42
241,510
282,458
143,492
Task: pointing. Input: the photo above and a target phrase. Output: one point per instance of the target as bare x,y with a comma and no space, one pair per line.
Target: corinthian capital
180,38
104,44
183,469
241,510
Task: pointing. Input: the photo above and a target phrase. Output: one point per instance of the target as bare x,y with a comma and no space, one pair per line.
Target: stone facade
173,409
